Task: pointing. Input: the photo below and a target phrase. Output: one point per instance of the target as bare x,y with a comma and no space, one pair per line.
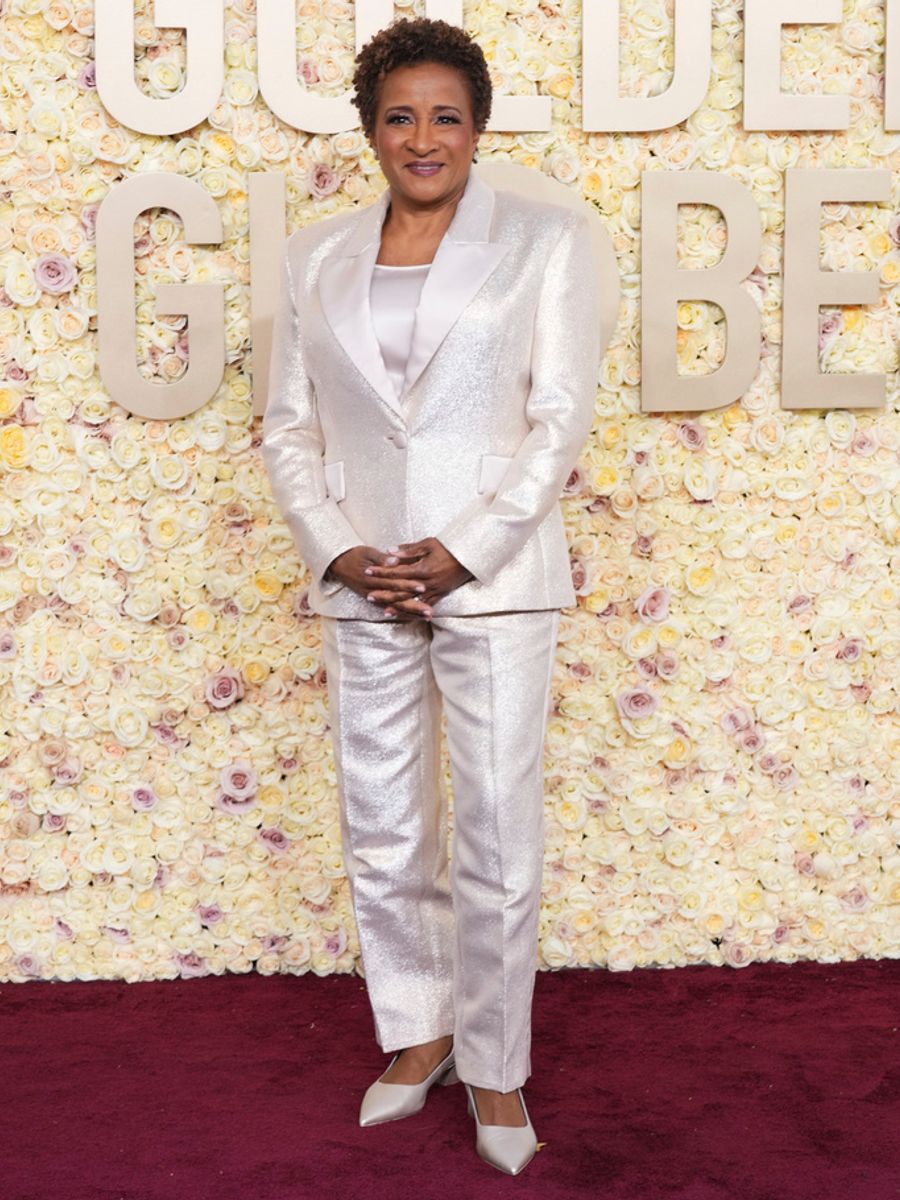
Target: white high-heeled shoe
390,1101
507,1147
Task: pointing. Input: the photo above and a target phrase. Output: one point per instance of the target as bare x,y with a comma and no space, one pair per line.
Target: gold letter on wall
766,107
663,284
116,86
604,108
807,287
276,41
202,302
892,67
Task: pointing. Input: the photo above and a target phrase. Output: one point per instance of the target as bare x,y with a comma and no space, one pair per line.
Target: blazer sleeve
486,534
293,445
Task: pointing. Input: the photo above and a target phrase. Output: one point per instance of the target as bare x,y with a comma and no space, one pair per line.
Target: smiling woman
433,376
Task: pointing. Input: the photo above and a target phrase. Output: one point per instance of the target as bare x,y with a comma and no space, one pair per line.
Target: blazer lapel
345,277
464,261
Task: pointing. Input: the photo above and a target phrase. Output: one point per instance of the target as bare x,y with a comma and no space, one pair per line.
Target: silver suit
474,450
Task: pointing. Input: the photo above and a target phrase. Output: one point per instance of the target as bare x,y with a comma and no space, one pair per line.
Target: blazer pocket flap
493,468
334,479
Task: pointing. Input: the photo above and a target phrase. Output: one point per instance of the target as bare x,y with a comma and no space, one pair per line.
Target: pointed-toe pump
391,1101
507,1147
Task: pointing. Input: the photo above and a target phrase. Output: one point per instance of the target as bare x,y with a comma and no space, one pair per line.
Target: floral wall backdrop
722,764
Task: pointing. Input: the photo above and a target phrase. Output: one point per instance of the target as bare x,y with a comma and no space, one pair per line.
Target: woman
434,367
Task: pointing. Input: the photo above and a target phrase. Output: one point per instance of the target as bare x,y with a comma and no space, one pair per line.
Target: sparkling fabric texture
464,427
394,297
445,950
502,371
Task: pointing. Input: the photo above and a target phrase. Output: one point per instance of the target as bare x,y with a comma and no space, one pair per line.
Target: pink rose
667,664
737,954
574,483
224,688
239,780
234,804
28,964
274,839
309,72
768,762
894,229
177,639
786,777
800,603
864,443
192,964
118,935
691,434
830,325
67,772
850,650
54,273
752,739
735,719
336,943
653,603
301,606
323,180
636,702
88,218
855,900
210,914
143,798
7,644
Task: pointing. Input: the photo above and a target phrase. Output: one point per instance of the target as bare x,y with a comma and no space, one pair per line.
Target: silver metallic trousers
447,946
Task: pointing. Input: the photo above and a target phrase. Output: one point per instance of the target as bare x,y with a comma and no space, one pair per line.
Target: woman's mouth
423,168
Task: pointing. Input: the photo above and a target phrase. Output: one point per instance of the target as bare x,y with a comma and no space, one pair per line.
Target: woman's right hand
349,569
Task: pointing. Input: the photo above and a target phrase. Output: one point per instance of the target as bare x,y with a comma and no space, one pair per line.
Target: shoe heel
450,1077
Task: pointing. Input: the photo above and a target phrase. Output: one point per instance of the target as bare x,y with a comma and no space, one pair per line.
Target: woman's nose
420,142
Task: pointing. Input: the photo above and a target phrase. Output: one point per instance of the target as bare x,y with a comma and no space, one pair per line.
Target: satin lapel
344,290
344,281
465,259
458,272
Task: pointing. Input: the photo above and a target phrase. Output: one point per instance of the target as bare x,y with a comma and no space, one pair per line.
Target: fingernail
390,611
368,571
393,559
420,587
371,596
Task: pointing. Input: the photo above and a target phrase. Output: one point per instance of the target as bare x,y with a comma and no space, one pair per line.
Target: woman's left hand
429,563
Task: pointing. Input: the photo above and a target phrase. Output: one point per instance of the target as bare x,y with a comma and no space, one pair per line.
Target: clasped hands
405,580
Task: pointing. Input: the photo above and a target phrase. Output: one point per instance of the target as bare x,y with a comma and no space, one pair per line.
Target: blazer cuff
320,534
466,541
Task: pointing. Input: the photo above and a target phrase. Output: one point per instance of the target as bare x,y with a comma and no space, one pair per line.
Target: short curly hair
407,42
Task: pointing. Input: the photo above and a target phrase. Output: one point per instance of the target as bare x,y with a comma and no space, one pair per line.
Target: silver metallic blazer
496,405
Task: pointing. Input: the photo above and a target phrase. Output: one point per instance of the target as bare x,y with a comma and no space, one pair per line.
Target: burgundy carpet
769,1082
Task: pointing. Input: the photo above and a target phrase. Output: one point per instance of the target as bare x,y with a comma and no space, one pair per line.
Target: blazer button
398,437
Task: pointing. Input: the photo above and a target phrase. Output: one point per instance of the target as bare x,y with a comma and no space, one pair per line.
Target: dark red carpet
769,1082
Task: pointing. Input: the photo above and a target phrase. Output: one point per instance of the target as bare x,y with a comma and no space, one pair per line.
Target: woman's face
424,133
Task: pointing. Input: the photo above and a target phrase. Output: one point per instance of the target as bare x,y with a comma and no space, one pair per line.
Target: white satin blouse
393,299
